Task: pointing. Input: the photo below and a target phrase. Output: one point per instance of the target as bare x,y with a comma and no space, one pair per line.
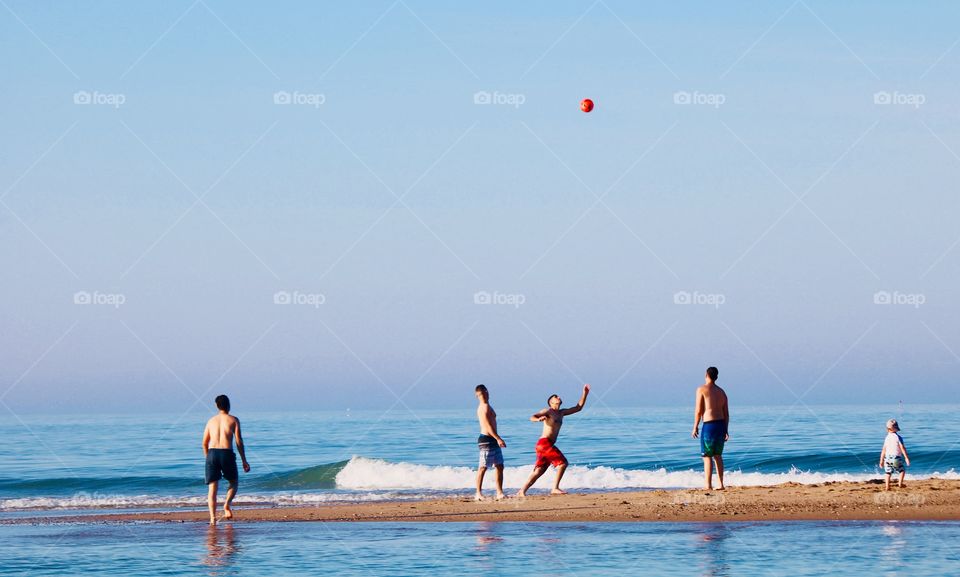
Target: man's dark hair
223,403
712,372
551,397
480,388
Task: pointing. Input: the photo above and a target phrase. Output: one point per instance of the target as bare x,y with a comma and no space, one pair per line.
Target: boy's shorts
490,453
221,464
893,465
548,454
712,437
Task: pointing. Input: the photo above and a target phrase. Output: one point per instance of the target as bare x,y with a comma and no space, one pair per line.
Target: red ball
586,105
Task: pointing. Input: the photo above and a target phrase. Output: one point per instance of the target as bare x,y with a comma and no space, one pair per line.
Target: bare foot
521,494
213,521
721,488
227,513
478,497
501,496
557,492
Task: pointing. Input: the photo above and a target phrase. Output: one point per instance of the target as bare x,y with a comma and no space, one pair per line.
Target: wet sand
920,500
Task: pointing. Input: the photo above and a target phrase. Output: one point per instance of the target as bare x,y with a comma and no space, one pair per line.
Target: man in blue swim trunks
711,407
222,430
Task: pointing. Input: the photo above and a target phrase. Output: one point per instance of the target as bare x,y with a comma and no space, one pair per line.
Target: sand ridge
933,499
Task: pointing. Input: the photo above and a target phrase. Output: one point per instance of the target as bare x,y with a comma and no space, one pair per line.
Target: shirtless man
711,406
489,442
218,438
547,451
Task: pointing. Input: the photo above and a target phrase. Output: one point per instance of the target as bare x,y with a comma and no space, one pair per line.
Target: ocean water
78,463
796,549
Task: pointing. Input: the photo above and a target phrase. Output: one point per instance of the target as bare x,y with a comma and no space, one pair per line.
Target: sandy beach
933,499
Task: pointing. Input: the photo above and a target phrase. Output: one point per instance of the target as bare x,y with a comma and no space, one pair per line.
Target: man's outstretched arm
580,403
539,415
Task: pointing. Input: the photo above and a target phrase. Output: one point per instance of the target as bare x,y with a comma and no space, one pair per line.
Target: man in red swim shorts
547,451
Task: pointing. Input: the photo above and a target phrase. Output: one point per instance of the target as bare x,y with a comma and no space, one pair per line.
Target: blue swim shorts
712,437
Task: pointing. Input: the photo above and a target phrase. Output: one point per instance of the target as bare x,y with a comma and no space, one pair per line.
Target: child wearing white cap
894,454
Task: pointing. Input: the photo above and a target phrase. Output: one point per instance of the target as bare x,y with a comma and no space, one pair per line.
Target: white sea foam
362,473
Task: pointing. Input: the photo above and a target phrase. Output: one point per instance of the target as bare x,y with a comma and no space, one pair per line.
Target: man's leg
231,493
708,473
887,488
480,473
536,474
903,474
212,502
556,484
719,461
499,481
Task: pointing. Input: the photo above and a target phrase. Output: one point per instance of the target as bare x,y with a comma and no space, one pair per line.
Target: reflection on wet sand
714,551
221,546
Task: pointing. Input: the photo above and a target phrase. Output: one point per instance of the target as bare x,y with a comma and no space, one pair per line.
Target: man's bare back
712,401
221,429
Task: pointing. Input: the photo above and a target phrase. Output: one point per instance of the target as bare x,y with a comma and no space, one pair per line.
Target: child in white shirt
894,454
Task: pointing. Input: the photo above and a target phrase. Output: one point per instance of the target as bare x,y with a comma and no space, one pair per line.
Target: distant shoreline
926,500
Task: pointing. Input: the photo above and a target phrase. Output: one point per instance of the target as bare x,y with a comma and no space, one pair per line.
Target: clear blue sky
696,198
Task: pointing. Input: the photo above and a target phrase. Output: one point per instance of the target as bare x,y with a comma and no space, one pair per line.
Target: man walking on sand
711,406
489,442
218,437
547,451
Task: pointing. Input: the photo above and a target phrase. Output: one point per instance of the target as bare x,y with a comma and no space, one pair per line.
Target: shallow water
797,548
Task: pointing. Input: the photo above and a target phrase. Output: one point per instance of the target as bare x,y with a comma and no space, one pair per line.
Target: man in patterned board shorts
711,407
489,442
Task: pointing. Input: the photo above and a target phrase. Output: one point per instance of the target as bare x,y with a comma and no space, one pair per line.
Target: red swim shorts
548,454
